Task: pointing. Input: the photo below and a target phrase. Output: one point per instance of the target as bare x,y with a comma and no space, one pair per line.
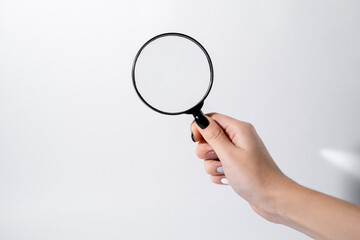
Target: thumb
215,136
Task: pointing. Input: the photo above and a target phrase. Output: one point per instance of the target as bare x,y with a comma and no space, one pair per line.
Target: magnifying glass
173,74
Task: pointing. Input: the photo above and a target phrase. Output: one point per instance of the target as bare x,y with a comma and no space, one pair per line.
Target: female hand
244,163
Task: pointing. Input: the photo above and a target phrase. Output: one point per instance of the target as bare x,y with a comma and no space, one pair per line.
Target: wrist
276,198
287,200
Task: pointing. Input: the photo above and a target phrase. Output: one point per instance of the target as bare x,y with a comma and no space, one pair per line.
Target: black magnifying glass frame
196,109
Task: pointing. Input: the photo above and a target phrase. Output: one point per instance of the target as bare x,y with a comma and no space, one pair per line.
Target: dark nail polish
201,121
192,137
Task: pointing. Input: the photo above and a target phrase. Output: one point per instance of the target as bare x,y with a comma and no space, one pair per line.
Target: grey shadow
352,188
348,162
352,182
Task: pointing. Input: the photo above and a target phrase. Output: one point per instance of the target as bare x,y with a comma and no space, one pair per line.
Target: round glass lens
172,73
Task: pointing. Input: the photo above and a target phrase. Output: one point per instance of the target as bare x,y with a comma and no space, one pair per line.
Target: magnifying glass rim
183,36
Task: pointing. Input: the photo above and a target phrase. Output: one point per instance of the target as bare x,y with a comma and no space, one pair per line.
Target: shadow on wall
349,163
352,189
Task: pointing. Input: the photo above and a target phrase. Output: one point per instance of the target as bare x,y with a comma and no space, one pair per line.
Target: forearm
318,215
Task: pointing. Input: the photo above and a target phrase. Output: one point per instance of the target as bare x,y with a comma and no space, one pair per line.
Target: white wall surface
81,157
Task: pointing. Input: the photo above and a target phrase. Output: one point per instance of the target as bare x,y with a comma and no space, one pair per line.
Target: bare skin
254,176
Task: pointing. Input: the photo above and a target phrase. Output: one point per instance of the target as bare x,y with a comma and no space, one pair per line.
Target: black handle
199,116
200,119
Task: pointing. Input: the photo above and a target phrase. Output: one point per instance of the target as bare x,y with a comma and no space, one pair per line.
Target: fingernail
192,137
224,181
202,121
211,155
220,170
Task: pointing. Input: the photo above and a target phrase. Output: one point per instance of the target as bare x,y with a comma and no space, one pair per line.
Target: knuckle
215,179
246,128
216,135
201,150
207,168
248,125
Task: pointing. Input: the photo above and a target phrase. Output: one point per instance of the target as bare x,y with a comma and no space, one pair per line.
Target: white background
81,157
